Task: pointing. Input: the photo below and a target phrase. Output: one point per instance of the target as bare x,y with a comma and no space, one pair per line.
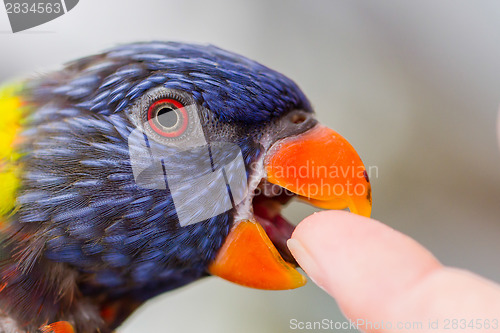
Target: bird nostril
298,118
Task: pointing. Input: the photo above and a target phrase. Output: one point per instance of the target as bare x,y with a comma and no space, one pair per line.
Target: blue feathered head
153,164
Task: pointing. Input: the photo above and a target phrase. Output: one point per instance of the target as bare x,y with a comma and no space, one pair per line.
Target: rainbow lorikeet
139,170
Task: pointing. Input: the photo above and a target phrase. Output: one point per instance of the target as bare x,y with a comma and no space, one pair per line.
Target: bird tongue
267,212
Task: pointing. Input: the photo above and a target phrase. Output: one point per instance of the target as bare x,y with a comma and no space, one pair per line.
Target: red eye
168,117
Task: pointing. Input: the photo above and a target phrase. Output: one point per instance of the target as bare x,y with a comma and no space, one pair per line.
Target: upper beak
324,170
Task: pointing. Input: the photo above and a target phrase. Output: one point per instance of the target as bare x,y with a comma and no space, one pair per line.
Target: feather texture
83,242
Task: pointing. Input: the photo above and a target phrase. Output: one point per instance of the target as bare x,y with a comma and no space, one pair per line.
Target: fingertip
359,261
321,224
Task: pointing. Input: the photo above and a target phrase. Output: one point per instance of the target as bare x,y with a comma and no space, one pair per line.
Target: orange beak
323,169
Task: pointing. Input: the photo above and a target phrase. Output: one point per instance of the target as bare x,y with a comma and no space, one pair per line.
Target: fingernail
306,261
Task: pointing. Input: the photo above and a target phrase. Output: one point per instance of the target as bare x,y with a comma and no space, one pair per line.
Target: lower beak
323,169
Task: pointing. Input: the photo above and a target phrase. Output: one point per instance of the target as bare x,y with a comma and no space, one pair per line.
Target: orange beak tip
323,169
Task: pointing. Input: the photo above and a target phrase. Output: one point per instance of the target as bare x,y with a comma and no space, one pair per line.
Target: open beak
321,168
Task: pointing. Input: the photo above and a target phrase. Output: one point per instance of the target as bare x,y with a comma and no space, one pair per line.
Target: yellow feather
10,183
11,115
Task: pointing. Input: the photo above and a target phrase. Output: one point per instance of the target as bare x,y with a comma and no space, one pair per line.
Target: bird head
154,164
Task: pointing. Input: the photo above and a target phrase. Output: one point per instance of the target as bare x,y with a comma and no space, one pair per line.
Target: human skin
387,282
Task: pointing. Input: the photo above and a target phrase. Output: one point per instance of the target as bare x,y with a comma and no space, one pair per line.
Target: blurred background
414,86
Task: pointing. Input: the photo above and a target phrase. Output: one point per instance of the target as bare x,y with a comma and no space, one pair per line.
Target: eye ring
168,117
